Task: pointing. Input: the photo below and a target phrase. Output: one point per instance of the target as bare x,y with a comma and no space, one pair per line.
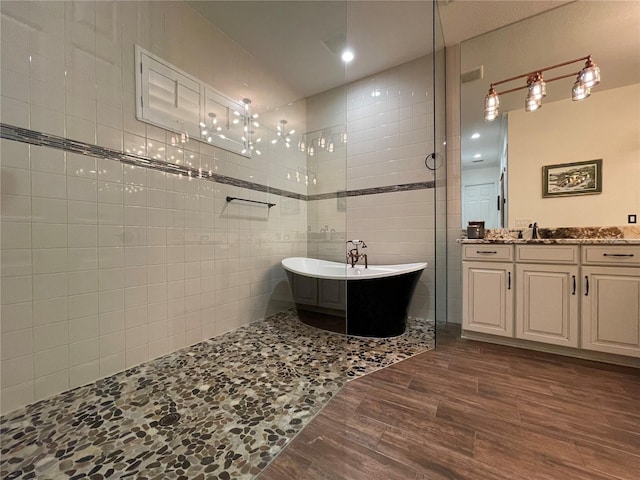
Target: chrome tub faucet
353,255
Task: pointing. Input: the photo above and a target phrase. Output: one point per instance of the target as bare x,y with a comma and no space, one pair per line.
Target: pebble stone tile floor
220,409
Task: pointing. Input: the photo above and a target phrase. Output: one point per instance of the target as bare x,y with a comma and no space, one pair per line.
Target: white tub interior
312,267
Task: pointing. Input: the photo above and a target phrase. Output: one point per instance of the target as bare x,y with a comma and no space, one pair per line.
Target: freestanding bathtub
377,297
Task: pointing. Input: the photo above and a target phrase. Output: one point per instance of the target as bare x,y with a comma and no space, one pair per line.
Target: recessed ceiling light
477,155
347,56
475,135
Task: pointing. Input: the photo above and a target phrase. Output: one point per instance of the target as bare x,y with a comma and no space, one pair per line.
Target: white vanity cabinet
568,298
487,283
611,299
547,294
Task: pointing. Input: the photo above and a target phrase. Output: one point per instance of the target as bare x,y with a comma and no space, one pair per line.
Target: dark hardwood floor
471,410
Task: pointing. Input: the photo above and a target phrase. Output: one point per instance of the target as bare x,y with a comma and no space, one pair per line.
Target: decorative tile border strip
373,190
32,137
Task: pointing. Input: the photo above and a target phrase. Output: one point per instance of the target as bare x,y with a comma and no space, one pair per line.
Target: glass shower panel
389,191
440,166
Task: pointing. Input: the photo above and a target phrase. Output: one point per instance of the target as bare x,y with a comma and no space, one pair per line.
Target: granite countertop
554,241
623,235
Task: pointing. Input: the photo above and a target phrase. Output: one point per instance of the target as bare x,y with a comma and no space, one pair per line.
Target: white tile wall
104,265
454,218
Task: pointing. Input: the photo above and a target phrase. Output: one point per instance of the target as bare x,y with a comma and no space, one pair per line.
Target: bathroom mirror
504,158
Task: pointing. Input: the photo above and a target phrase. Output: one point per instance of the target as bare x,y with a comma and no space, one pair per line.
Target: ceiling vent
336,43
476,73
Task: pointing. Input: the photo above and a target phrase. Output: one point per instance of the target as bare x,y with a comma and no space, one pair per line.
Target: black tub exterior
378,307
375,307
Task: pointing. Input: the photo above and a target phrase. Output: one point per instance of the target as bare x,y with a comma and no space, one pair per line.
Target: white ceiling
287,36
464,19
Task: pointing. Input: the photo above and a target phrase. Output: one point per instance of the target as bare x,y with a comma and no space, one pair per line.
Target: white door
480,203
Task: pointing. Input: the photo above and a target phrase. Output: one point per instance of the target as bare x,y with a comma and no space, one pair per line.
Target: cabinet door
547,303
611,310
488,297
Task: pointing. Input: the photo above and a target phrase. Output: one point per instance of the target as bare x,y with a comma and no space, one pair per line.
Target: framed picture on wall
577,178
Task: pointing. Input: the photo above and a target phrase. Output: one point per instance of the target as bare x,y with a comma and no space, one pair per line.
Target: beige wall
605,126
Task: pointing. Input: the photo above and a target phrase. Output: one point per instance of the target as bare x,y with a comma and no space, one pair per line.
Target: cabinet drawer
492,253
622,255
547,254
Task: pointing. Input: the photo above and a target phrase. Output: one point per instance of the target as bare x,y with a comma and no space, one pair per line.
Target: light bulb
347,56
491,114
532,104
579,91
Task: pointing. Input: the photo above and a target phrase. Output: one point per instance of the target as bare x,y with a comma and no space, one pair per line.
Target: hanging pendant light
579,91
531,103
590,74
491,105
537,86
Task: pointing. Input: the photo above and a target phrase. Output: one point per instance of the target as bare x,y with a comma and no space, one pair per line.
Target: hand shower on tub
354,255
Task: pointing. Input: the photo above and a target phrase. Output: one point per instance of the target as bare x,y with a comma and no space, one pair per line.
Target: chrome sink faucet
535,234
353,255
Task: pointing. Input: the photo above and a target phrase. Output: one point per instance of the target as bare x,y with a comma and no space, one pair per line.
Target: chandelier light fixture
536,86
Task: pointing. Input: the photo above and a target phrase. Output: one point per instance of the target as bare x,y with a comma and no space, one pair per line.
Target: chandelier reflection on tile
283,135
251,142
325,139
302,175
